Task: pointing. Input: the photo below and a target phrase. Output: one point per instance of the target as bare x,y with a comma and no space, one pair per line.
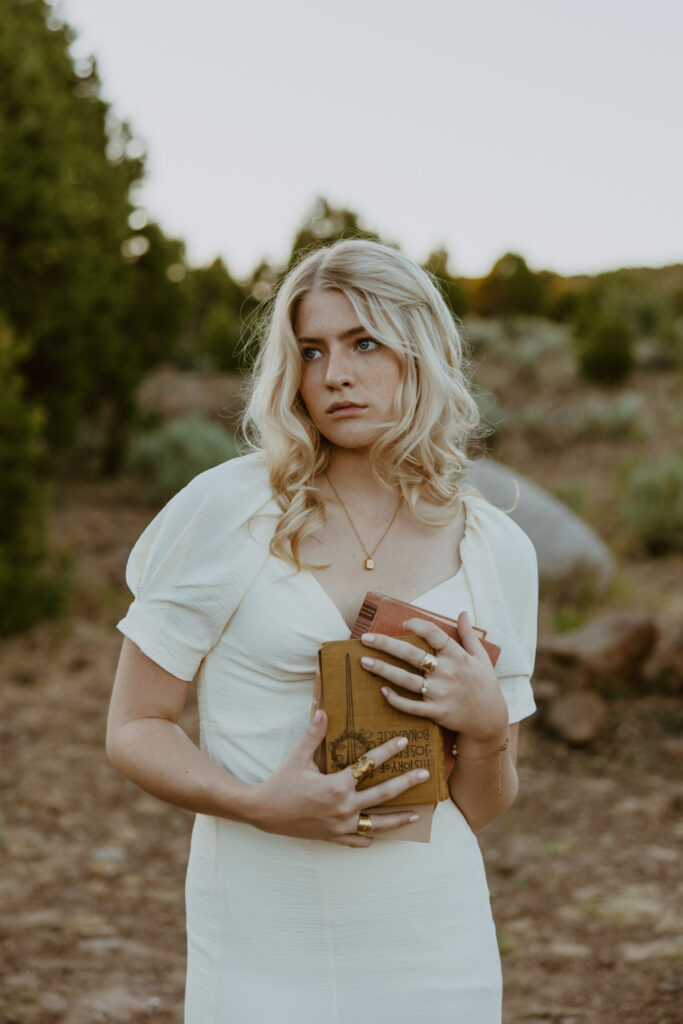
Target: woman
296,911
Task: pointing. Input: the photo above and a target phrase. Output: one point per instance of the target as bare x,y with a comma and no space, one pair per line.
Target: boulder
609,650
570,553
664,671
577,717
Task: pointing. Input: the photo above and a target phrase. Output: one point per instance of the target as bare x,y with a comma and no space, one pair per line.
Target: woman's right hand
299,800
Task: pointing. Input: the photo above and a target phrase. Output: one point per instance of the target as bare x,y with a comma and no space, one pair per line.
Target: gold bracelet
494,753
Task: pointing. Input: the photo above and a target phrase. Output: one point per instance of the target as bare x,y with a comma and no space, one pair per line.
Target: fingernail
368,637
317,716
385,691
366,662
423,774
414,817
402,741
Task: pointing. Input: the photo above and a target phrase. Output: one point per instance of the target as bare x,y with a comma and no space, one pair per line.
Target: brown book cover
382,614
359,718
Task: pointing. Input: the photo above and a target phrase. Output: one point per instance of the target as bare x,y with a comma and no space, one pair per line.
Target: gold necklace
369,560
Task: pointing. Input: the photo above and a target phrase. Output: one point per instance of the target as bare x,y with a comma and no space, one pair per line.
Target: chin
362,440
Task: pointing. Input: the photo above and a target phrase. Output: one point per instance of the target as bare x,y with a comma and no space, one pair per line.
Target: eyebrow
345,334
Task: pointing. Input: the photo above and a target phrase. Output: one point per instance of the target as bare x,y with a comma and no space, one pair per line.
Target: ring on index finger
363,766
427,663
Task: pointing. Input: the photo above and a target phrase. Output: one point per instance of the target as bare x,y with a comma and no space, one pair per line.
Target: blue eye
309,354
366,344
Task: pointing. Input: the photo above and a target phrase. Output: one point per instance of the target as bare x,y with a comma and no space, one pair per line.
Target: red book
382,614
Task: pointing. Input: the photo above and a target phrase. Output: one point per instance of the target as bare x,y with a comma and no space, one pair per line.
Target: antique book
419,831
359,718
382,614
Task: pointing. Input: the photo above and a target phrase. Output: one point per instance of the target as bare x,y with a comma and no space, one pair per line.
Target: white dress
300,931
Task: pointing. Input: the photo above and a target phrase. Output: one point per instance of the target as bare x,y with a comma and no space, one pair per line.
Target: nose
339,369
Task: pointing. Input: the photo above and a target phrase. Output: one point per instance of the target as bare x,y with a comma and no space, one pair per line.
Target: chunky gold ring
363,766
427,664
364,824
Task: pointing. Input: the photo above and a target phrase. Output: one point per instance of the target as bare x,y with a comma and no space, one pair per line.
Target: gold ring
363,766
364,824
427,664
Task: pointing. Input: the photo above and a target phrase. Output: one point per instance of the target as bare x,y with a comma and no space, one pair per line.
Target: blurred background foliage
94,295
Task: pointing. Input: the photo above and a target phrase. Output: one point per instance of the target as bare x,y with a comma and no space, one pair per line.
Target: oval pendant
369,563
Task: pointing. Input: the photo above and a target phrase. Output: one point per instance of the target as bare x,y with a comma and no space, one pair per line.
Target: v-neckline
412,600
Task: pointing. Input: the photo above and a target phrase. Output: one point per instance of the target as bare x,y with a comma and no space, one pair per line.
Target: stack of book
359,718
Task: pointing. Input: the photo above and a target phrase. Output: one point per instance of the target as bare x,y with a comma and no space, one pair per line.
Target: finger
354,841
384,791
470,640
435,637
314,735
396,648
393,674
381,754
406,704
385,822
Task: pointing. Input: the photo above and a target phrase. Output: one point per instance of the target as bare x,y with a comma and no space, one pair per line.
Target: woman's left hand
462,693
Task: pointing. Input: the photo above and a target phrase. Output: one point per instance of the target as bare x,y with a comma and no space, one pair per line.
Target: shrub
620,418
30,588
605,349
168,458
653,503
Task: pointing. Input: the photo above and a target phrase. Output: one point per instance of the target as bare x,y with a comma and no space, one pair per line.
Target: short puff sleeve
193,564
503,579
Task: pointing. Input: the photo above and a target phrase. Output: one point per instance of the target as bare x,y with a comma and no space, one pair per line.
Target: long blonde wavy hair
423,450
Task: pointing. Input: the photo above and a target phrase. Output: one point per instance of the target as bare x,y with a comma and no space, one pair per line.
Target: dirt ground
584,871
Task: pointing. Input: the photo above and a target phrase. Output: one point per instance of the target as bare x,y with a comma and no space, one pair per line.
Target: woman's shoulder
229,493
213,505
246,474
495,527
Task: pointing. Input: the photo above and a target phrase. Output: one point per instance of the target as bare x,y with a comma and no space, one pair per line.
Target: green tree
28,589
452,287
510,287
324,224
217,308
88,290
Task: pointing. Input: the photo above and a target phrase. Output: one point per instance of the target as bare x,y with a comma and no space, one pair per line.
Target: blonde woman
297,912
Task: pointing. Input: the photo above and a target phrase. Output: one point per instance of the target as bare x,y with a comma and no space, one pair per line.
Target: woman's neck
349,470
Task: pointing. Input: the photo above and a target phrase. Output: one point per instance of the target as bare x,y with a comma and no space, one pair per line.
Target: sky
546,127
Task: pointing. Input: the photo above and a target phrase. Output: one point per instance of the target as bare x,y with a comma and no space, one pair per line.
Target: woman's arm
484,781
146,744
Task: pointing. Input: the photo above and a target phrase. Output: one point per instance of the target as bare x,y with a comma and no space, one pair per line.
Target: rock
570,553
545,690
609,650
577,716
664,672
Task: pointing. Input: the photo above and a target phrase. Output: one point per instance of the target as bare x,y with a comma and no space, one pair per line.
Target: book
359,719
382,614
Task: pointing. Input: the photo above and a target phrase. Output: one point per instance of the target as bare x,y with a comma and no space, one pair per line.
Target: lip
340,410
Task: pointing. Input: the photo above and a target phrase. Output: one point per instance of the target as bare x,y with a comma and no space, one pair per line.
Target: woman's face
348,379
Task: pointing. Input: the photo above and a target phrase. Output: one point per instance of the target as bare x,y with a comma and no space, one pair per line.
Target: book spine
365,617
